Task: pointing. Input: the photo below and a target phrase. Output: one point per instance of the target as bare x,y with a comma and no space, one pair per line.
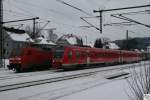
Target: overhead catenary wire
72,6
32,5
124,29
43,27
131,20
58,23
118,9
127,23
65,26
41,8
37,6
135,13
90,24
79,9
48,15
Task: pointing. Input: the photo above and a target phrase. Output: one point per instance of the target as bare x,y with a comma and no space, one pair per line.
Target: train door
77,57
120,57
70,56
74,59
87,57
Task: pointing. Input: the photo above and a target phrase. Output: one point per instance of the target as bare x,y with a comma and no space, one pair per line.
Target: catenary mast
1,34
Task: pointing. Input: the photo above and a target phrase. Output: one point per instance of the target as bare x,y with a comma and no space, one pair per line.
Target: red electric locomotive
73,57
34,57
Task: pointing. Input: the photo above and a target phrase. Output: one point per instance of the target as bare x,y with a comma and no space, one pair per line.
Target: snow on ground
116,90
50,75
61,89
95,87
4,70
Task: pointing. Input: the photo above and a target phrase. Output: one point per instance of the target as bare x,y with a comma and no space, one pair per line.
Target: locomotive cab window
59,51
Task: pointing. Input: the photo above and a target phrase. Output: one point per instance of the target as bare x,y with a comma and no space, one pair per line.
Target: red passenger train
66,57
77,57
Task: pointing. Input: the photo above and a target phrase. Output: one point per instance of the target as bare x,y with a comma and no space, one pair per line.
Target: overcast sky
67,19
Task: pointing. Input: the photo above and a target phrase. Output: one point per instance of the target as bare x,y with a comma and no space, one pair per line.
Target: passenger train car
76,57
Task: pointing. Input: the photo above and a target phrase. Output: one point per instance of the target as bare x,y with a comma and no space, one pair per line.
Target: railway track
44,81
12,76
61,78
19,75
54,94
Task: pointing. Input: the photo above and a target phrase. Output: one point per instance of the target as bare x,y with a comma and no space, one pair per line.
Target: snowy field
94,87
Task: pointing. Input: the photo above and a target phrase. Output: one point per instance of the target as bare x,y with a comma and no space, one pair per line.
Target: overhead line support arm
101,12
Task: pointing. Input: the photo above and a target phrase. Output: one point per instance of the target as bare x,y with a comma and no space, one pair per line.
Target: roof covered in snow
70,39
42,40
113,46
20,37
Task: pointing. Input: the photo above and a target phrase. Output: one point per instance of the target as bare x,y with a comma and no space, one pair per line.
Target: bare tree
52,36
29,31
139,83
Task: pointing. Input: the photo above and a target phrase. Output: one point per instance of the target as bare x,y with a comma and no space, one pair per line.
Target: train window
58,53
70,54
78,54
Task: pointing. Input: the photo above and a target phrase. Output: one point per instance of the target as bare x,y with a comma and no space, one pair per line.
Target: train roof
96,49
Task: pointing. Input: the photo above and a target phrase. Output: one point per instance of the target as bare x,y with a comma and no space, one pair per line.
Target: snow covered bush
139,83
